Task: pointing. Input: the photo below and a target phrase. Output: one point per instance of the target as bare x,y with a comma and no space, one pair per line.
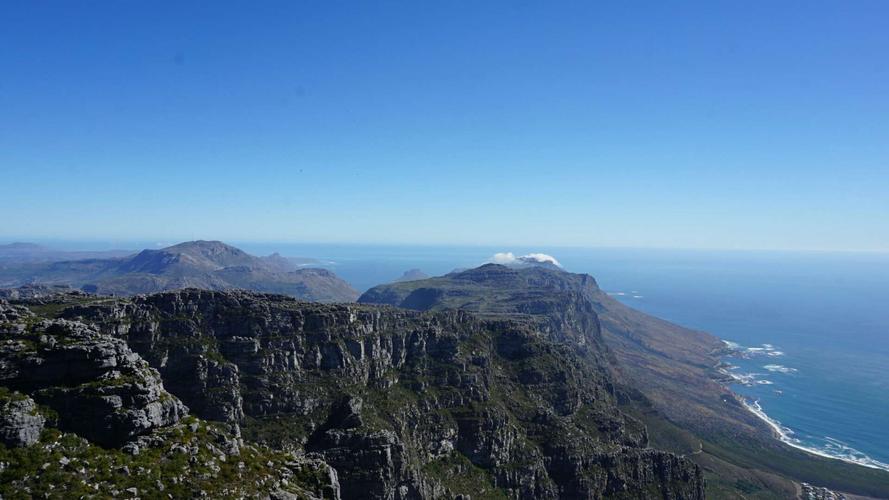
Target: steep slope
211,265
666,371
82,415
663,360
402,404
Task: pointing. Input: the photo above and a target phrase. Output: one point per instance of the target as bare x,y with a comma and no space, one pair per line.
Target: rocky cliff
403,404
82,415
516,383
672,366
664,374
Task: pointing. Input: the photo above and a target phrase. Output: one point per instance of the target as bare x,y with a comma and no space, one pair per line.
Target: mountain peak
203,255
412,275
204,247
499,272
216,265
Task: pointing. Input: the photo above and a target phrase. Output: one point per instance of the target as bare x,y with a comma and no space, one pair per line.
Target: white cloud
510,259
504,258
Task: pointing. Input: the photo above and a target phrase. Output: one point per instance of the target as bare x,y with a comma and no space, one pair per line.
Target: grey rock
346,414
382,395
100,388
20,422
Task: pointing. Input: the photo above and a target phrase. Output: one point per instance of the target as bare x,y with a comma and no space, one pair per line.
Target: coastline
784,435
780,432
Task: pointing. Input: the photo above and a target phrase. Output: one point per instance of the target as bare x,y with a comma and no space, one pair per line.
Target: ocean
810,331
810,334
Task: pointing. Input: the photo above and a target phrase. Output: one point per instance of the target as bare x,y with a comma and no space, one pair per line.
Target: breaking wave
749,352
830,448
746,379
780,369
825,447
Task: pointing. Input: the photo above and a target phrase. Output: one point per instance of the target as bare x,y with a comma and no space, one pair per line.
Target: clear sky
713,124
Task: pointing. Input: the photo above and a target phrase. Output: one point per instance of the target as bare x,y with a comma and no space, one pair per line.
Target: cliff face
405,404
98,387
664,374
82,415
670,365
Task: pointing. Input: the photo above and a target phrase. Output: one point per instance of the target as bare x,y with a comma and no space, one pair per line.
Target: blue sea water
811,333
811,329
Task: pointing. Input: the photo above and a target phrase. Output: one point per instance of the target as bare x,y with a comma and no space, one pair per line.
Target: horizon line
165,242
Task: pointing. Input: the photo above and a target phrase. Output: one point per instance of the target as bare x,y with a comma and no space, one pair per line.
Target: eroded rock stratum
402,404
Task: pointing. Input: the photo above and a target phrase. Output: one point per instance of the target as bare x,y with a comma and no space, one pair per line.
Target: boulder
20,422
100,388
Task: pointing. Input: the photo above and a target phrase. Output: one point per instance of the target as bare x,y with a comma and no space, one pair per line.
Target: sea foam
832,448
748,352
779,369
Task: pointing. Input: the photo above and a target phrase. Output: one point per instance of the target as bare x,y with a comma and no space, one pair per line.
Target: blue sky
755,124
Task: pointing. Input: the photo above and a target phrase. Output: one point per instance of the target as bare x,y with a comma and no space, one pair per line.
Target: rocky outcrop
34,293
557,299
20,422
404,404
190,459
99,388
68,393
810,492
374,463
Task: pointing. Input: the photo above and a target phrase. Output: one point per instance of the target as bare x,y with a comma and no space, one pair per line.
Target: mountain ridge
670,375
212,265
399,404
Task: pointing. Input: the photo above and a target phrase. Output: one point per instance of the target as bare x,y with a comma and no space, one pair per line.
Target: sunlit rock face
405,404
97,385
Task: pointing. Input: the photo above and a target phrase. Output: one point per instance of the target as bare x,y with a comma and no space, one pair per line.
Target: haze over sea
812,329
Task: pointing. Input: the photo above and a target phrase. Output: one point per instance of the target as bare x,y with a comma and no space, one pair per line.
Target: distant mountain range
211,265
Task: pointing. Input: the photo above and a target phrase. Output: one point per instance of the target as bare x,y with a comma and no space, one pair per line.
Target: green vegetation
277,431
54,307
186,462
753,469
782,459
461,477
10,395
